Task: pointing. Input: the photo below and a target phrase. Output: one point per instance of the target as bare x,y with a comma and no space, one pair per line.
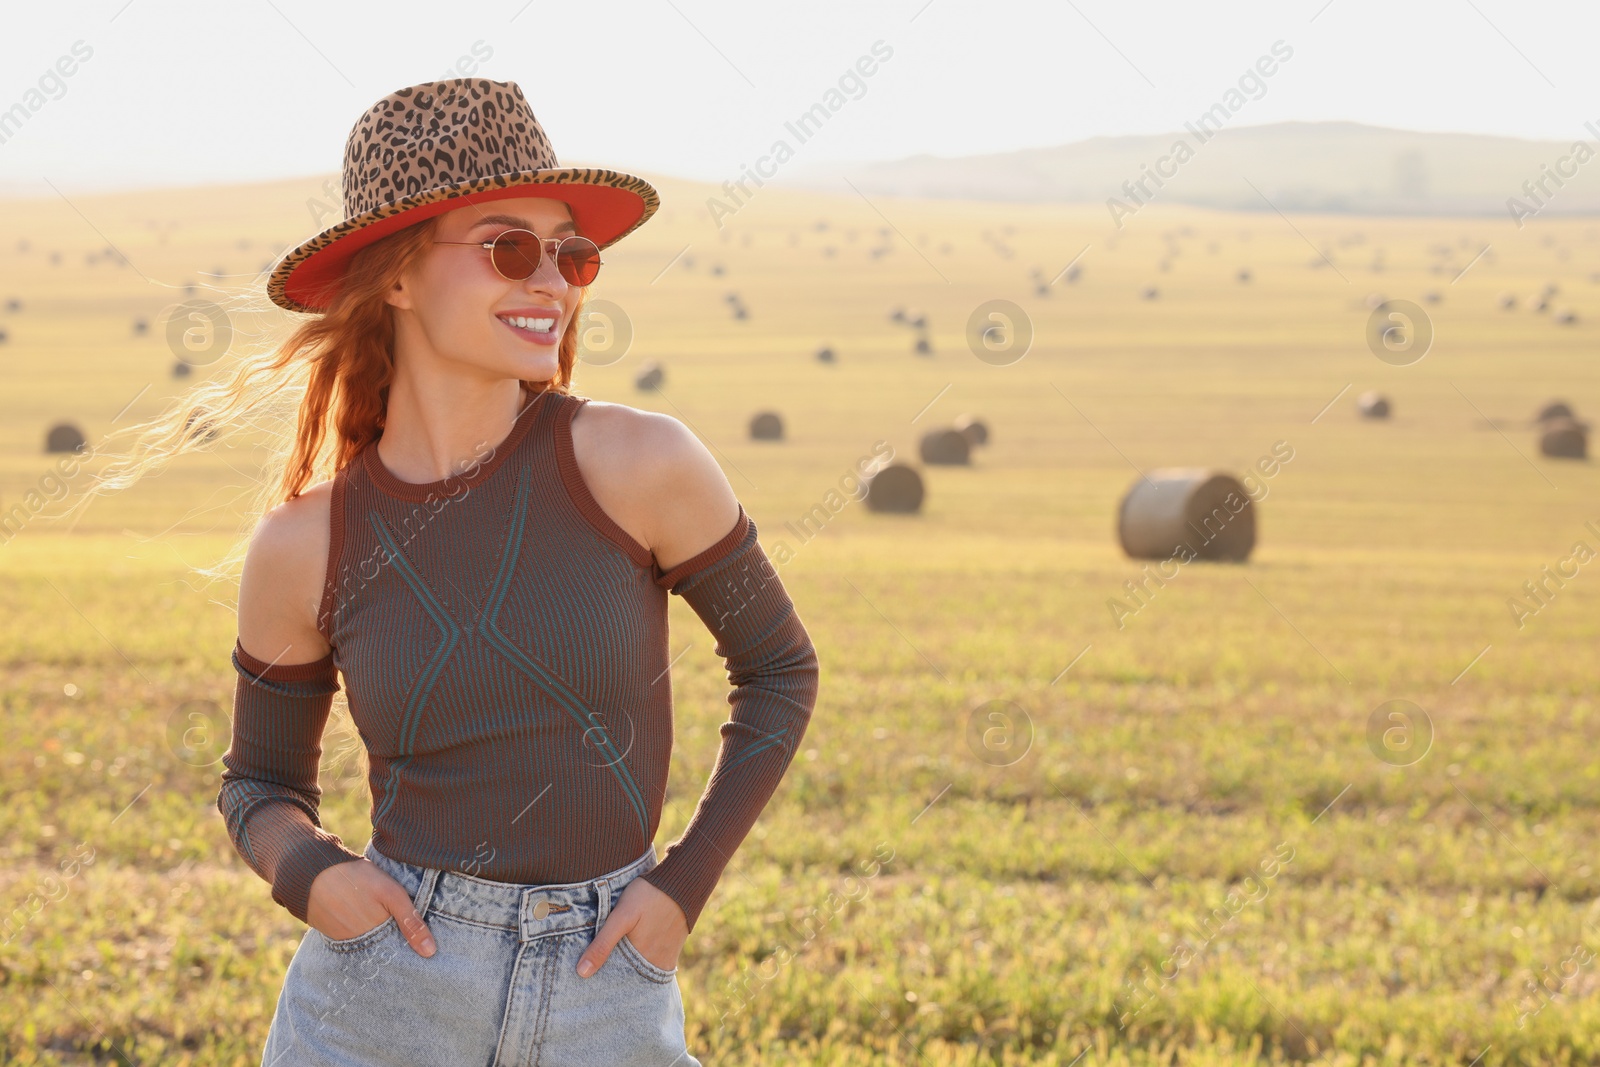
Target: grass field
1181,844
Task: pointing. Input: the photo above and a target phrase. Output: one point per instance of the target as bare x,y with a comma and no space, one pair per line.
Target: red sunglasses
516,254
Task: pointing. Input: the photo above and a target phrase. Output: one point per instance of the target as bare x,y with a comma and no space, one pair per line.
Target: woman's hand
652,921
349,899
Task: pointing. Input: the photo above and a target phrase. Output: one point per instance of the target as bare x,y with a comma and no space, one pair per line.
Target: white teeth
541,325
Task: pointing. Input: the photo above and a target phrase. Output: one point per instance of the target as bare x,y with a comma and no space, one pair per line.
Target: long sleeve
269,795
773,669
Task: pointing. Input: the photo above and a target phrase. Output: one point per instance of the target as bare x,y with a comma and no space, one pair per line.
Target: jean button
541,909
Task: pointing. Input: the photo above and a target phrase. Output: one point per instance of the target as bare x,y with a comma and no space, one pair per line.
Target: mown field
1190,838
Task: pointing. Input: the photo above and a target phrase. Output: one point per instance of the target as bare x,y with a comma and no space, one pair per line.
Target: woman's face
455,308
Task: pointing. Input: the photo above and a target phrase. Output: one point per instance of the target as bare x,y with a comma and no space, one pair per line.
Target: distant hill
1341,167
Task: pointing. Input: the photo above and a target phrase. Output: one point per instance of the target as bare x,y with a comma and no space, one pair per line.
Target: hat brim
607,205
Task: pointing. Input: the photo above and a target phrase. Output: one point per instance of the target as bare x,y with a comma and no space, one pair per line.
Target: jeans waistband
534,911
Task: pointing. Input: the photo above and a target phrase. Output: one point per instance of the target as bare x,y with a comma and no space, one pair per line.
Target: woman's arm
269,796
721,571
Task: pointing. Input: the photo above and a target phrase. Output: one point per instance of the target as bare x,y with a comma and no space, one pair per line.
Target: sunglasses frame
559,241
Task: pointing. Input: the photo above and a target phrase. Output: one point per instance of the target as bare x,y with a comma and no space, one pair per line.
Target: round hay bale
64,437
1244,277
766,426
1041,290
1555,409
1538,303
4,337
918,321
1549,289
896,489
140,326
650,376
1373,405
1565,439
739,312
923,347
897,315
974,429
206,431
1432,296
181,369
1566,317
1072,273
13,304
717,270
946,448
1508,301
1187,512
1149,292
825,354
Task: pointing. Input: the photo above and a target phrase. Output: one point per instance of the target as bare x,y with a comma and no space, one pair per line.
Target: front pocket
361,941
644,966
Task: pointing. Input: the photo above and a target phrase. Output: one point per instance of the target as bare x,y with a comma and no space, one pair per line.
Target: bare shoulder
655,478
280,590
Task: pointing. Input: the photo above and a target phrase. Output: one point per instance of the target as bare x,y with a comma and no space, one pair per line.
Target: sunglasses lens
578,259
516,254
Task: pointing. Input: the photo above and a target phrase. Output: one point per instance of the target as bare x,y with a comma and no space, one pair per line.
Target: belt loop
424,897
603,908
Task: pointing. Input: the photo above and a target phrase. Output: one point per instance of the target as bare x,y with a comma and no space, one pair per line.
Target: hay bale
897,315
825,354
717,270
4,337
1149,292
919,321
740,312
1508,301
1555,409
1538,303
766,426
1565,439
1244,277
974,429
1566,317
896,489
1188,512
1072,273
1549,289
13,304
946,448
1432,296
923,347
650,377
140,327
1373,405
206,430
181,369
64,437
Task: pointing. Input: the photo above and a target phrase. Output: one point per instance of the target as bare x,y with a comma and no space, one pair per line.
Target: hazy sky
178,92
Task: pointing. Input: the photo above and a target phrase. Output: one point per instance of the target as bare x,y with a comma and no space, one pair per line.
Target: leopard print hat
432,147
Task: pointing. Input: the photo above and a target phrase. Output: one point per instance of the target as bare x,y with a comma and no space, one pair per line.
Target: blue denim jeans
502,989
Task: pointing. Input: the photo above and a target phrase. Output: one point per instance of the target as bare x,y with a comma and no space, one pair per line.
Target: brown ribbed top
505,656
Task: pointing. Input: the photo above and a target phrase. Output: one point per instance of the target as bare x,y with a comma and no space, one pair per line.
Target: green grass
1025,903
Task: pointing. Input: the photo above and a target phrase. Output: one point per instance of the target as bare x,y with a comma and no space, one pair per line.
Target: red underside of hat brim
601,213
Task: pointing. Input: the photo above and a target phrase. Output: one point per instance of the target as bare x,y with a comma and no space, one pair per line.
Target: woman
488,568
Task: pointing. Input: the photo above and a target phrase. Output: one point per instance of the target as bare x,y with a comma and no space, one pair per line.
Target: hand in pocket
356,897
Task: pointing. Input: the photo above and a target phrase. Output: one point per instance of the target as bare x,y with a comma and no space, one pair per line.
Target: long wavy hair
334,370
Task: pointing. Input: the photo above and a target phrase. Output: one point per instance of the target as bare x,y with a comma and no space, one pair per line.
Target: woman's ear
398,295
